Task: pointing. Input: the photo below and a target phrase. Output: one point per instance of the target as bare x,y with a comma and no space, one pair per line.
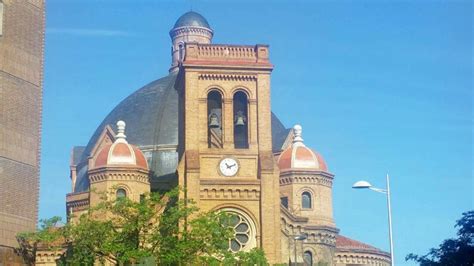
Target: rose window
244,232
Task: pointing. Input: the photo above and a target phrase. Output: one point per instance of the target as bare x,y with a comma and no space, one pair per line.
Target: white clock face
228,166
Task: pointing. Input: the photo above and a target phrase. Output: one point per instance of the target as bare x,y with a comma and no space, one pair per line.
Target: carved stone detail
230,193
322,235
317,179
96,177
191,30
227,77
361,258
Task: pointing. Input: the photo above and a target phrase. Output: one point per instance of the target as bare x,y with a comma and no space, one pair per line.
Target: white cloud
88,32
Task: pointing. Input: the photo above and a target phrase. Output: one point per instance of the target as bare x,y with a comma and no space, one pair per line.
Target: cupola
191,27
120,153
191,19
299,157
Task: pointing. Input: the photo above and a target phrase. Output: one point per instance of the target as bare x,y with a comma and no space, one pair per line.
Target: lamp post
365,184
298,238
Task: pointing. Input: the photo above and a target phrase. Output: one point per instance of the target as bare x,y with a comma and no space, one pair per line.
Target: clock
228,166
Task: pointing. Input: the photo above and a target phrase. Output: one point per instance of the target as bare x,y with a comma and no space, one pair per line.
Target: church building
208,127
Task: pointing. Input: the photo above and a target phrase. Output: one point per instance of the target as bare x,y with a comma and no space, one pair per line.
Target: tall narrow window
214,120
306,200
181,52
241,139
308,258
1,17
284,202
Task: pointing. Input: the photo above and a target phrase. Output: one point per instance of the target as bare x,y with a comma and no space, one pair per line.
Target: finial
297,139
120,137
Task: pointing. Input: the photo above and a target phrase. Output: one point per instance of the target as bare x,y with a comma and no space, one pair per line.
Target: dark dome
152,118
151,114
193,19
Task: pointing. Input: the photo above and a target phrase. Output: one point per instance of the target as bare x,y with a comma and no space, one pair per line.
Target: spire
120,137
297,139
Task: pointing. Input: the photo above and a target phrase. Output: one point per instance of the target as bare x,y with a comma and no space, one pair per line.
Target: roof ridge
345,241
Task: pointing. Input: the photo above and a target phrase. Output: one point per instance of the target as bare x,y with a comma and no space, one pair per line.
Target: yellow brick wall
255,188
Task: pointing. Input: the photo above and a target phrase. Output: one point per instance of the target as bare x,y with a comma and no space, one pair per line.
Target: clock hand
233,165
228,167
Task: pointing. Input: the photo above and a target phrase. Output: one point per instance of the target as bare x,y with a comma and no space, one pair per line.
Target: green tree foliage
455,252
160,229
28,243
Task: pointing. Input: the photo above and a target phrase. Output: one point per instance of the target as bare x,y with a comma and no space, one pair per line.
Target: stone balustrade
235,53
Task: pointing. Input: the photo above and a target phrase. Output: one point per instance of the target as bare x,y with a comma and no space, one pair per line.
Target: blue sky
378,86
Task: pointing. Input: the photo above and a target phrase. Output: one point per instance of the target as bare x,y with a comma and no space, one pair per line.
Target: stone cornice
78,205
287,178
48,256
229,193
366,257
77,201
191,30
77,196
320,235
230,182
305,172
118,175
227,77
118,169
292,217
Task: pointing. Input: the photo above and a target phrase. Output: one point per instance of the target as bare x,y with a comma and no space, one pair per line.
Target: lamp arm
379,190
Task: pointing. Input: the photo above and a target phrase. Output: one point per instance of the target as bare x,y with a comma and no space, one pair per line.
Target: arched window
1,17
181,52
121,193
306,200
284,201
241,139
308,258
214,119
244,237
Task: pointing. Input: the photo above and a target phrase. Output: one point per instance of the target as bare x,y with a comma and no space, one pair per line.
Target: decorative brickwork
21,76
233,77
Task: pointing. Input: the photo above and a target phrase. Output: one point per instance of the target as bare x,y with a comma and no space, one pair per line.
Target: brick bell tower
226,160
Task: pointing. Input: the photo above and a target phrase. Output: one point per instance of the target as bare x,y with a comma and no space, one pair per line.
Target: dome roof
120,153
151,114
191,19
298,156
345,244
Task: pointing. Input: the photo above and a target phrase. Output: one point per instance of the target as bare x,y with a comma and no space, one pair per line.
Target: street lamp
299,238
364,184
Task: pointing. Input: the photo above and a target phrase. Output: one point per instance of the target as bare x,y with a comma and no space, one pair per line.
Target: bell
214,121
240,119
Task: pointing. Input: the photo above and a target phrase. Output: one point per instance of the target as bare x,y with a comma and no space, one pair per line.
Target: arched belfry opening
214,119
241,136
